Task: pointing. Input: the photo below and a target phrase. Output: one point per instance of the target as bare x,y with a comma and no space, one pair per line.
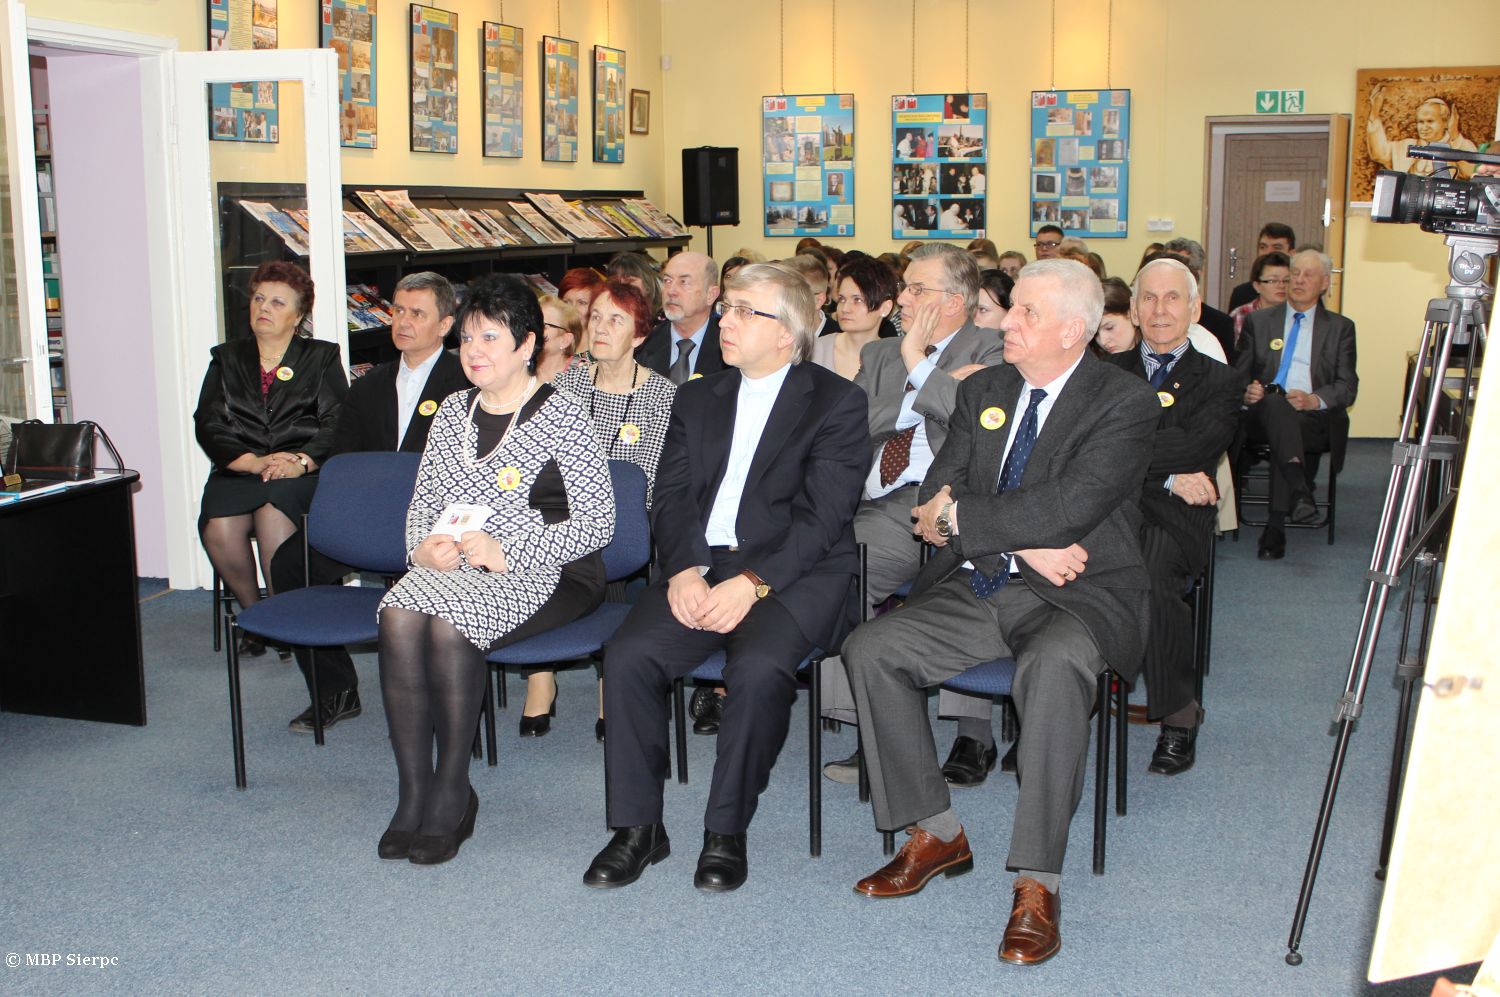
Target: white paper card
458,519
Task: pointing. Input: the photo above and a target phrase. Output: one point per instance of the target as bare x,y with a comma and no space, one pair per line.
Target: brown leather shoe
922,857
1032,935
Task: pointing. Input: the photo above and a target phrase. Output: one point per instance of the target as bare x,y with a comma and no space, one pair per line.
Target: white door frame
26,222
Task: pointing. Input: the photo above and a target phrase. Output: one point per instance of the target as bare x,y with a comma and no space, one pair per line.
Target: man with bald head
687,343
1200,404
1031,504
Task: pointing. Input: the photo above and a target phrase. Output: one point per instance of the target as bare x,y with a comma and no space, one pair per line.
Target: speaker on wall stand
710,188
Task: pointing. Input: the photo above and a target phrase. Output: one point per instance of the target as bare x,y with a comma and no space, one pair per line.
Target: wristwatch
302,459
761,588
944,523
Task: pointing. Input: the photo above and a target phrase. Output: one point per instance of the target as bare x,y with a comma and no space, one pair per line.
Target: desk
70,620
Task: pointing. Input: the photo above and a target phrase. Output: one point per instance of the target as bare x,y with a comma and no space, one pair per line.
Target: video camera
1460,207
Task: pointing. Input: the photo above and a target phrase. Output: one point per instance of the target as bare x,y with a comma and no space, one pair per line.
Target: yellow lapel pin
283,373
508,478
428,407
992,418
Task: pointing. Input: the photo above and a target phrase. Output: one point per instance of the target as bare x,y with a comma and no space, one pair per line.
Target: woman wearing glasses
1270,275
864,302
562,331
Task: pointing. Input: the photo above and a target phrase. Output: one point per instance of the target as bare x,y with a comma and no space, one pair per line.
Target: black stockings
432,680
227,541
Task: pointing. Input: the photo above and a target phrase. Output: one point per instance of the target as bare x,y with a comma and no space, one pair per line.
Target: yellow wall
1183,60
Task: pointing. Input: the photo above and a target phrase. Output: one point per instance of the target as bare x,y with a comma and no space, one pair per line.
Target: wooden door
1268,177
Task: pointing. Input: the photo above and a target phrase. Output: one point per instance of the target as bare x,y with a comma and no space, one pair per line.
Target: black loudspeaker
710,186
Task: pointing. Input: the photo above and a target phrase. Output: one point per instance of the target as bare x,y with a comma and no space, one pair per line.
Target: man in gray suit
1300,357
912,383
1031,504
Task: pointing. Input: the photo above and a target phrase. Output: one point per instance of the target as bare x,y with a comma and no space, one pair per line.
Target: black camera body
1453,207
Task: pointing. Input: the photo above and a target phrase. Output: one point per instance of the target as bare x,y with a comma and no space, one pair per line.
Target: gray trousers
893,660
893,557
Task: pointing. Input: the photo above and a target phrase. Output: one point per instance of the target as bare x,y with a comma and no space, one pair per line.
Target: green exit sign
1280,101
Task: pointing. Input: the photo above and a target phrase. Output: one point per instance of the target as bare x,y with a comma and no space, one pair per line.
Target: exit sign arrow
1267,101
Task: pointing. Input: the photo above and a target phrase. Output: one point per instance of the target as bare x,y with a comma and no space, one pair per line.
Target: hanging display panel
807,158
348,27
939,165
434,80
1080,162
609,105
559,100
503,89
242,112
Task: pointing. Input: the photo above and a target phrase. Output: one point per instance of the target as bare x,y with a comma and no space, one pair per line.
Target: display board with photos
1080,162
348,27
503,89
242,112
939,172
807,158
559,100
609,105
434,80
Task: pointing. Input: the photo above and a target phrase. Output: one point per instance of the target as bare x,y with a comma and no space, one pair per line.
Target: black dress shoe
626,856
539,726
1008,763
395,844
251,646
1175,748
845,770
342,705
713,712
435,849
721,865
1304,510
599,730
969,763
1272,544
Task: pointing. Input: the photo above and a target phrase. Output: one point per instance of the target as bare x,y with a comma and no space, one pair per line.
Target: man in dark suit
1300,357
1274,238
752,516
1191,253
687,343
912,384
1200,406
389,408
1032,504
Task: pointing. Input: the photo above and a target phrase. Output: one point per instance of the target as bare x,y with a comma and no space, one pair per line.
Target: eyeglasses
1039,244
743,311
917,290
1275,281
554,325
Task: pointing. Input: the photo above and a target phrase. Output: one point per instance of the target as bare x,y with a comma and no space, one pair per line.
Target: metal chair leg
317,699
679,714
489,718
859,757
236,717
815,758
1101,771
888,842
1122,728
218,620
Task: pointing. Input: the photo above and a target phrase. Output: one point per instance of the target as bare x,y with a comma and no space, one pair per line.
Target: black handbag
44,451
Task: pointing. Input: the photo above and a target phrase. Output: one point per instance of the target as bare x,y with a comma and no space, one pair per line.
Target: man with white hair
1190,252
1200,406
1031,504
687,342
753,520
1300,357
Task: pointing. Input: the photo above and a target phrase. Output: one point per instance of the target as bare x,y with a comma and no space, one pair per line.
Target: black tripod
1459,319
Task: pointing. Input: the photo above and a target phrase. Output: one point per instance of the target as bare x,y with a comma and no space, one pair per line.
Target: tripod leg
1320,836
1409,671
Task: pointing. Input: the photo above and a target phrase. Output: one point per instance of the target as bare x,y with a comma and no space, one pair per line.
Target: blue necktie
1287,350
1010,476
1164,363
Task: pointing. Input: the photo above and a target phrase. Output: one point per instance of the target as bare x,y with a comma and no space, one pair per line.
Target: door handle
14,361
1234,262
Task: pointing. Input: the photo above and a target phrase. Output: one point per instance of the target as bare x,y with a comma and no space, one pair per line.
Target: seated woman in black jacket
266,417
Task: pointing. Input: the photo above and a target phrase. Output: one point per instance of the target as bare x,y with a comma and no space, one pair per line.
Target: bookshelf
52,274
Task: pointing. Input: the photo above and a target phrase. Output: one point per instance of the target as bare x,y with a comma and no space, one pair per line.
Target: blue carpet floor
133,844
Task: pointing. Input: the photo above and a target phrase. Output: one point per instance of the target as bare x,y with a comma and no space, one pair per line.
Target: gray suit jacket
1080,486
882,373
1333,355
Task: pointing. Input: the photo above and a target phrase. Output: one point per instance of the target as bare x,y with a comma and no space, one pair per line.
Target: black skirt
228,493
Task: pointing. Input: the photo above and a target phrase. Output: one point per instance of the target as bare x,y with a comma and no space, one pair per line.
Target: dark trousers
335,667
1291,435
1170,680
650,651
894,659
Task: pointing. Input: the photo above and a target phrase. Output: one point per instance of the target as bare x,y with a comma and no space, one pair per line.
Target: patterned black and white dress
553,445
630,427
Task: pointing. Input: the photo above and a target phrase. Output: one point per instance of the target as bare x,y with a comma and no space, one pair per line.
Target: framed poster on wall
242,112
434,80
609,105
939,168
559,100
348,27
503,89
1080,162
807,159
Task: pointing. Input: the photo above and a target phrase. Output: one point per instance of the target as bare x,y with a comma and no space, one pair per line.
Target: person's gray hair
442,291
1190,248
960,272
794,308
1082,296
1323,258
1172,265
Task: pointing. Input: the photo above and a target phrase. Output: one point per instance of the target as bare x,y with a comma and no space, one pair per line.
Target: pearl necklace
518,401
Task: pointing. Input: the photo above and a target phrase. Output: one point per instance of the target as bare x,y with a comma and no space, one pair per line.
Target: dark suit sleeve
1197,443
215,431
1252,348
833,480
1105,468
354,415
675,523
332,387
1340,390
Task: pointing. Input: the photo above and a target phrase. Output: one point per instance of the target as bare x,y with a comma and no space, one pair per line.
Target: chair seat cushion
320,616
568,642
990,678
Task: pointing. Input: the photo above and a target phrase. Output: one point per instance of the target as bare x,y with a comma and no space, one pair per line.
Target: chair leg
1332,503
679,714
501,695
815,758
1101,771
859,757
489,717
317,700
888,842
1122,729
218,620
236,717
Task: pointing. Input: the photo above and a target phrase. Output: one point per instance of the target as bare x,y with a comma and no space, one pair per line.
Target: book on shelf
370,230
422,232
367,309
546,231
360,370
42,129
540,283
278,221
660,219
504,223
576,222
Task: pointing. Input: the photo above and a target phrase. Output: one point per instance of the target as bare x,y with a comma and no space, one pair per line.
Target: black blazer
1192,433
369,417
298,414
1221,325
1333,355
660,350
795,522
1243,294
1080,486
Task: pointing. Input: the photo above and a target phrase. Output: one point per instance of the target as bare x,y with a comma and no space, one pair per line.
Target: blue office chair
358,518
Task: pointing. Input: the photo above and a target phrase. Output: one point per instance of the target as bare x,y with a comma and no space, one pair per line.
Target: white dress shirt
409,384
752,411
921,451
1299,375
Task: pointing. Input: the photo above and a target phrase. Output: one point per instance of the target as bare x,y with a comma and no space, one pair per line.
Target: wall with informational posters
559,100
434,80
1080,162
609,105
807,156
504,76
242,112
939,168
348,27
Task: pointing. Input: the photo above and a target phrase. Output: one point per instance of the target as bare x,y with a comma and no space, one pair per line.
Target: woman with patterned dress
524,564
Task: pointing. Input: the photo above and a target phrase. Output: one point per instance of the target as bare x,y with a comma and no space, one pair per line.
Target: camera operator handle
1448,155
